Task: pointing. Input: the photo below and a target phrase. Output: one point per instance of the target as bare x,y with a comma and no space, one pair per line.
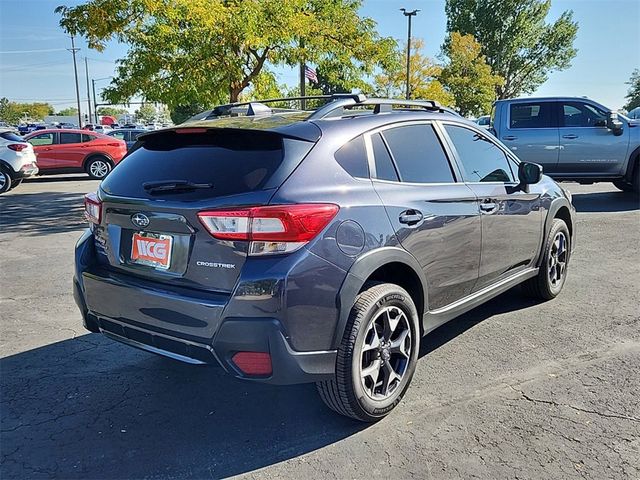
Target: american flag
310,73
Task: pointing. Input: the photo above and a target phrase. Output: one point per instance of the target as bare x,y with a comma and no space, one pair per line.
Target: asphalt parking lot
513,389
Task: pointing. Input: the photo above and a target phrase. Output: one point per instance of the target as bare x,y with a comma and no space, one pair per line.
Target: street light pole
86,71
408,15
95,103
73,50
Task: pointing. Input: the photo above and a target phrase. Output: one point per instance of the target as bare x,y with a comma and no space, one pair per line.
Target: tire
624,186
15,183
553,269
389,354
98,167
5,181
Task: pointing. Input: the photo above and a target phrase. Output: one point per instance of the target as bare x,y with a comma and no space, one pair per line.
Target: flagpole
303,103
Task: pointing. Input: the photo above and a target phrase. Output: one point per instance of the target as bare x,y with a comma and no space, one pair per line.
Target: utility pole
303,81
86,70
408,15
73,50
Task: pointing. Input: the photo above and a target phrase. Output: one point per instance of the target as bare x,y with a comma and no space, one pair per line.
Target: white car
102,128
17,160
484,121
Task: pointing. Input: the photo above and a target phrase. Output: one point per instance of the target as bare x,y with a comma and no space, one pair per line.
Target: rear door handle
410,217
509,137
571,136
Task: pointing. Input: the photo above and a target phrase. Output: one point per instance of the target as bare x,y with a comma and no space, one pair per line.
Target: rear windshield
233,161
12,137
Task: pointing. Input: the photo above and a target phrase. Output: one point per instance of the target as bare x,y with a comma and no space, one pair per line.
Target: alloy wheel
99,168
4,179
385,353
558,259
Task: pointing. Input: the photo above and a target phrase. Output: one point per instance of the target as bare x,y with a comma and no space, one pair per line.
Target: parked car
26,128
634,114
573,138
17,160
128,135
316,247
484,121
71,151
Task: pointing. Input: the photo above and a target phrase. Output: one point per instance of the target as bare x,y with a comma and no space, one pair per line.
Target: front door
44,148
434,215
511,218
531,133
587,146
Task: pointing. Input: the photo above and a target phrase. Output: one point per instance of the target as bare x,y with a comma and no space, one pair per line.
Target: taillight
92,208
116,144
271,229
18,147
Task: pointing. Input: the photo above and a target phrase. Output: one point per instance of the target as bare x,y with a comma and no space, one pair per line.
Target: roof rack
381,105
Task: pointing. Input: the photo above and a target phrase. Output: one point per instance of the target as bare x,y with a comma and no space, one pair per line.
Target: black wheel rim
557,260
385,353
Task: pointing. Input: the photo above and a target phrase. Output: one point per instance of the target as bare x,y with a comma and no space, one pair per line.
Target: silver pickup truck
573,138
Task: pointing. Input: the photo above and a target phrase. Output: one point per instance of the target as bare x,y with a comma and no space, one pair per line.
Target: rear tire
377,356
98,167
553,269
5,181
15,183
624,186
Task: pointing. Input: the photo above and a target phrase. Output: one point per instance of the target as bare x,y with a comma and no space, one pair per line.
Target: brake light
116,144
92,208
271,229
18,147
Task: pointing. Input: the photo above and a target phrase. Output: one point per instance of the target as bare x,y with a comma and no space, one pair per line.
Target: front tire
378,354
98,167
553,269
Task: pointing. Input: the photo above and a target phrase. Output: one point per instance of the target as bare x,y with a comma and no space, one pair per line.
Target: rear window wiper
173,186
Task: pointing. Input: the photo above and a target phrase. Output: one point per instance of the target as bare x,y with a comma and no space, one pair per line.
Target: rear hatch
150,202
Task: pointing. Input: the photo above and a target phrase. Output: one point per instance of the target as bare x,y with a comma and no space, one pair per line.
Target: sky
36,66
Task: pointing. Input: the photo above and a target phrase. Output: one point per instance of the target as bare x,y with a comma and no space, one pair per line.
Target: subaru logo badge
140,220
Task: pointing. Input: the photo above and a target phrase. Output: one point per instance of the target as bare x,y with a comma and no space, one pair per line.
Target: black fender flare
358,274
91,155
5,166
554,207
634,159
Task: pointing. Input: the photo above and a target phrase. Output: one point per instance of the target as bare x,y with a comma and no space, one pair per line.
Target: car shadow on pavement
41,213
606,202
59,178
92,408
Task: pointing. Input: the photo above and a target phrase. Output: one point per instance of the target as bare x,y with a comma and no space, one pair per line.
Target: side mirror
529,173
614,124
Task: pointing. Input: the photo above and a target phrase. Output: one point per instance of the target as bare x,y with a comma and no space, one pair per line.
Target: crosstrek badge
155,251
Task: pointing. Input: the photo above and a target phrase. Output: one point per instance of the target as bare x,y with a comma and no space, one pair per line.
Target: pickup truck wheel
5,181
98,167
553,269
377,356
624,186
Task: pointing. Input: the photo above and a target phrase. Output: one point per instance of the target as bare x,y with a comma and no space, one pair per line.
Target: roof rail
381,105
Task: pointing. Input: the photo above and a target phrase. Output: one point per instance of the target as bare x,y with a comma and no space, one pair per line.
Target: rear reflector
92,208
270,229
253,363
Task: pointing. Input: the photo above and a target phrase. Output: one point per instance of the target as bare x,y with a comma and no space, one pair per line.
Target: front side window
418,154
531,115
67,137
42,139
482,161
578,114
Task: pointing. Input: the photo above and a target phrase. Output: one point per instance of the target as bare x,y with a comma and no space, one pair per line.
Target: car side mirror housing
529,173
614,124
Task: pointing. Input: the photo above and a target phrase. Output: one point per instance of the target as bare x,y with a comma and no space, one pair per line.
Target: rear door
44,145
511,218
69,151
435,216
234,168
531,133
587,146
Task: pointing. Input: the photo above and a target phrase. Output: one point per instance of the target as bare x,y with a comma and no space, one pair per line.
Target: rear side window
352,156
481,160
233,161
418,154
66,137
384,165
531,115
12,137
87,138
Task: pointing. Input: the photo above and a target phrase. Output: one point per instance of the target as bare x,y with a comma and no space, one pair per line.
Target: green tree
9,112
181,113
468,77
14,112
68,112
185,52
516,40
423,78
146,113
112,111
633,95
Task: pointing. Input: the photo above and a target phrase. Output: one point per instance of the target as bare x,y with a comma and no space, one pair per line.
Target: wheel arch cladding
389,265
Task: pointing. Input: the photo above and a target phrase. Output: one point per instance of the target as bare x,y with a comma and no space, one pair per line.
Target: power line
35,51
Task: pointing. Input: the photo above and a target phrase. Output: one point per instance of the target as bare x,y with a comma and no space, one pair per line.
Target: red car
67,151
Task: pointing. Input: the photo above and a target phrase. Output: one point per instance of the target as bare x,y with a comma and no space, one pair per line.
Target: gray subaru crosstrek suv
293,247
